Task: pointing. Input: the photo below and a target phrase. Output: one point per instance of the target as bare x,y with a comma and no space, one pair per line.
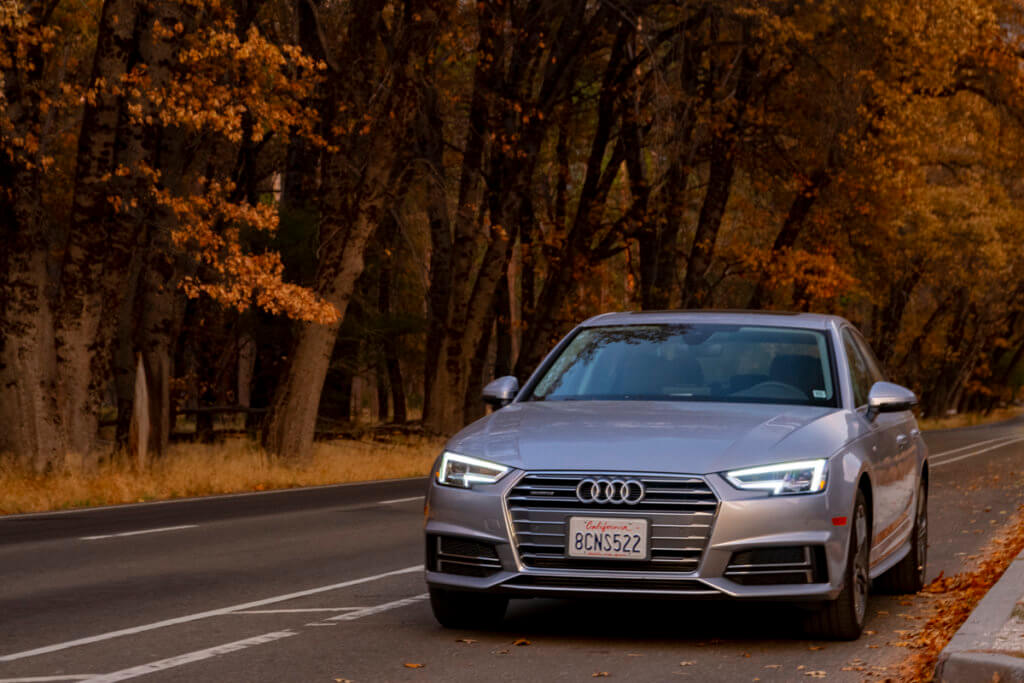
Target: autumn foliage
328,210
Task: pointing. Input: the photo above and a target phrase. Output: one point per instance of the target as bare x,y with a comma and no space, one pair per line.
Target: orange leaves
209,229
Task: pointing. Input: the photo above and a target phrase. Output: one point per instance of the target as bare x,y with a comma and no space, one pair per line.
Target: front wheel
843,618
459,609
907,576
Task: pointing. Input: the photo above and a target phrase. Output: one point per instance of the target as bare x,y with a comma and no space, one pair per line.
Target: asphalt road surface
326,585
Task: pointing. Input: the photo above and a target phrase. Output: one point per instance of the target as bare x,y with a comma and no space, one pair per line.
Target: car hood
652,436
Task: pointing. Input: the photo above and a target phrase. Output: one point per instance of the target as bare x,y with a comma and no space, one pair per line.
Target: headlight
464,471
805,476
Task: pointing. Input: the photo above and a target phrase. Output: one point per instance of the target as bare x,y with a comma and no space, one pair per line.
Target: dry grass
970,419
200,470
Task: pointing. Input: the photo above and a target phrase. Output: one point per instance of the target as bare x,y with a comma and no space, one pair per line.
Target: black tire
907,576
843,618
458,609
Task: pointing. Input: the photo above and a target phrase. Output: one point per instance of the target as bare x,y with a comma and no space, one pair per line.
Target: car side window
860,373
874,367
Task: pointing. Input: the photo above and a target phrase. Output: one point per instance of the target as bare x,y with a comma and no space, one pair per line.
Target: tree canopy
329,208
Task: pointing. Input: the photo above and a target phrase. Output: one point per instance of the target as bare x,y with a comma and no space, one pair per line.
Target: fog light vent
777,566
463,556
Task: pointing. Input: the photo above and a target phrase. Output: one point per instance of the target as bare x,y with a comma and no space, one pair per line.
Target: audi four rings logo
617,491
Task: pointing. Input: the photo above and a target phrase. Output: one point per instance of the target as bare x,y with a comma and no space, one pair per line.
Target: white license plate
614,538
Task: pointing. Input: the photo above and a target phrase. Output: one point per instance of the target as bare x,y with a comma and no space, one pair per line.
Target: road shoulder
989,645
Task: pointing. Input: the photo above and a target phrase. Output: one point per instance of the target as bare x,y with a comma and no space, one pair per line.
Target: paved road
326,585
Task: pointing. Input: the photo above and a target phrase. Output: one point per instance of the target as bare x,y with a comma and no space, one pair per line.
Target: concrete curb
975,653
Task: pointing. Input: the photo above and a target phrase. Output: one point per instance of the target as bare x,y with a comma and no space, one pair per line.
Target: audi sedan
735,455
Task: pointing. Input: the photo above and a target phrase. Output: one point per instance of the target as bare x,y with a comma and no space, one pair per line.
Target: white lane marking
377,609
202,615
46,679
190,657
969,446
399,500
974,453
295,611
137,533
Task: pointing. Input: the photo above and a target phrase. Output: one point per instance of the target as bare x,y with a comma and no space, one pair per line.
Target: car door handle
902,443
914,433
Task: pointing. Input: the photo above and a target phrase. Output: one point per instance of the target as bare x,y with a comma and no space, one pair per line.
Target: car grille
681,510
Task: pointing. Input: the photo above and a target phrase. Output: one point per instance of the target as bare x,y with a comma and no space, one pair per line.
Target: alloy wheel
860,564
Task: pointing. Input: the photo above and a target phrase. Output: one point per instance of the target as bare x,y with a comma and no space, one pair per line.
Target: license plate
614,538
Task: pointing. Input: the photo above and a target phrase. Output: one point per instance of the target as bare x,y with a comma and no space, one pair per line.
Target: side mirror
886,397
501,391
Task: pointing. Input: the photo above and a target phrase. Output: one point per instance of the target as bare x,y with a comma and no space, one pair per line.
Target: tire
907,576
843,618
457,609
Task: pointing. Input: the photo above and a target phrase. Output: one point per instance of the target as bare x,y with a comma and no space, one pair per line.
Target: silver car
693,454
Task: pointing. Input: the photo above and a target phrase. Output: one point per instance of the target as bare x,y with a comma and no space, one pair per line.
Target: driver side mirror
886,397
501,391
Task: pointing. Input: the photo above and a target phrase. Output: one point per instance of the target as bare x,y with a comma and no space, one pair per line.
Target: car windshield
692,362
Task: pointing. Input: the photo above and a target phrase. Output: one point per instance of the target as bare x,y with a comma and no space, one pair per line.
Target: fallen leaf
687,663
599,674
501,652
343,680
869,633
520,642
773,666
816,674
800,667
816,647
410,665
467,641
633,654
882,613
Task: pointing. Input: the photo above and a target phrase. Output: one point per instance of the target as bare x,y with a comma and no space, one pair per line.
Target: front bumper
743,521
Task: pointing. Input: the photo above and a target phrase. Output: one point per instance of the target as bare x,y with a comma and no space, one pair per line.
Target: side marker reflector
839,521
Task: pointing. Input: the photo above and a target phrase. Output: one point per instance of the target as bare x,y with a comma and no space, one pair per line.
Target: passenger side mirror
501,391
886,397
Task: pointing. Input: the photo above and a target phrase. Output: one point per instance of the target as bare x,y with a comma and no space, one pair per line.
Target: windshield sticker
819,393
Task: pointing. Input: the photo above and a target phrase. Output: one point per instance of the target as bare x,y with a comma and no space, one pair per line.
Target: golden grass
970,419
199,470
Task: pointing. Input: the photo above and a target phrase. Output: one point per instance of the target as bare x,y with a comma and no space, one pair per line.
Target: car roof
727,317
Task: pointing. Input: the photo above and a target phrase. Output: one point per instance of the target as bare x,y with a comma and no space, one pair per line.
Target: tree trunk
103,237
291,422
696,290
790,231
389,372
722,167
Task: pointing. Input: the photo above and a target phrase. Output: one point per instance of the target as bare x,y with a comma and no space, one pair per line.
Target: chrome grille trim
681,510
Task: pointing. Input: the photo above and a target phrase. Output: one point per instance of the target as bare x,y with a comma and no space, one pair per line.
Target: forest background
327,210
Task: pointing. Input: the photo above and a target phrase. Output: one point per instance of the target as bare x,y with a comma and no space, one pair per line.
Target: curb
971,654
